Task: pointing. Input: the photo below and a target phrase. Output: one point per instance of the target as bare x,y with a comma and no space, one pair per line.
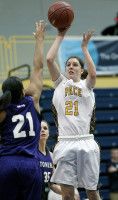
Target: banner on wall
103,50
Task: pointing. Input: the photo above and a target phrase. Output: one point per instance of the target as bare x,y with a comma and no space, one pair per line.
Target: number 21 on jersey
21,120
69,108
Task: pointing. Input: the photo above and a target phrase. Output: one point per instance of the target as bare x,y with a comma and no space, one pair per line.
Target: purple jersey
46,165
20,130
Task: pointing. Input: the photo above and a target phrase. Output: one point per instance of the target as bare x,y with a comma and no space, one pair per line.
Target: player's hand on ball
62,32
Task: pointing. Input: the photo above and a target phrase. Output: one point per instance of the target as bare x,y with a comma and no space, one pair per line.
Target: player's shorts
78,162
20,178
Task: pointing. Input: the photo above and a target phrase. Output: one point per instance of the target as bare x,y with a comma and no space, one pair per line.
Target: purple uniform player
46,165
20,173
45,158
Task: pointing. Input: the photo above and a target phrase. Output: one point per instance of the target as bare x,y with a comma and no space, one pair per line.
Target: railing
19,51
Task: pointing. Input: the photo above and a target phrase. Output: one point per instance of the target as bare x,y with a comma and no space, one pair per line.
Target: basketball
60,14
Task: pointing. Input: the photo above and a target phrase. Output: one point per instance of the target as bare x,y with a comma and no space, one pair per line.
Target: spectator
111,30
113,174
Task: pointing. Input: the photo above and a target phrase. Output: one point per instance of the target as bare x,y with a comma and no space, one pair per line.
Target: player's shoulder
51,154
59,80
28,98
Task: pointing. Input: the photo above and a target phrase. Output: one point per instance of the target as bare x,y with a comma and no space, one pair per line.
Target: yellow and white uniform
76,154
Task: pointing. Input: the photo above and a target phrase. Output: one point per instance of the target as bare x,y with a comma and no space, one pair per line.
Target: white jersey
74,103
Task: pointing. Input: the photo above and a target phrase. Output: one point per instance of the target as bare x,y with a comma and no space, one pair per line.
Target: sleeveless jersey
74,104
46,166
20,131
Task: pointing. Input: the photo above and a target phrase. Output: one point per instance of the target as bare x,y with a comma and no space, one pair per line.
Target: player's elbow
91,80
49,59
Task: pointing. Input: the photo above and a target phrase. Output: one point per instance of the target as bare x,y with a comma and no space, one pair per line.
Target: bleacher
106,131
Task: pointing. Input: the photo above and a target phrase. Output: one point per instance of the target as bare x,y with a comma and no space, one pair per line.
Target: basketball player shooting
76,154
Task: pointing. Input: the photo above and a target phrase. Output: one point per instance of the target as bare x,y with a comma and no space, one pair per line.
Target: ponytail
5,99
84,74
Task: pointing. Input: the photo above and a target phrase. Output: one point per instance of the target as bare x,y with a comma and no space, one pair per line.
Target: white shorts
78,163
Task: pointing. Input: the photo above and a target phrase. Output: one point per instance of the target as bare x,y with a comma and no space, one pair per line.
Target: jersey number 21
21,120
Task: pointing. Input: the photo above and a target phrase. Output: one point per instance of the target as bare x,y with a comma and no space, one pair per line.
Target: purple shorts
20,178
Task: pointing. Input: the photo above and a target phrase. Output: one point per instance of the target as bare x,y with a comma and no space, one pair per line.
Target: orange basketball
60,14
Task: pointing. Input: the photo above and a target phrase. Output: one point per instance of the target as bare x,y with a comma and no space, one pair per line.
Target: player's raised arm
60,15
52,65
91,78
36,80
